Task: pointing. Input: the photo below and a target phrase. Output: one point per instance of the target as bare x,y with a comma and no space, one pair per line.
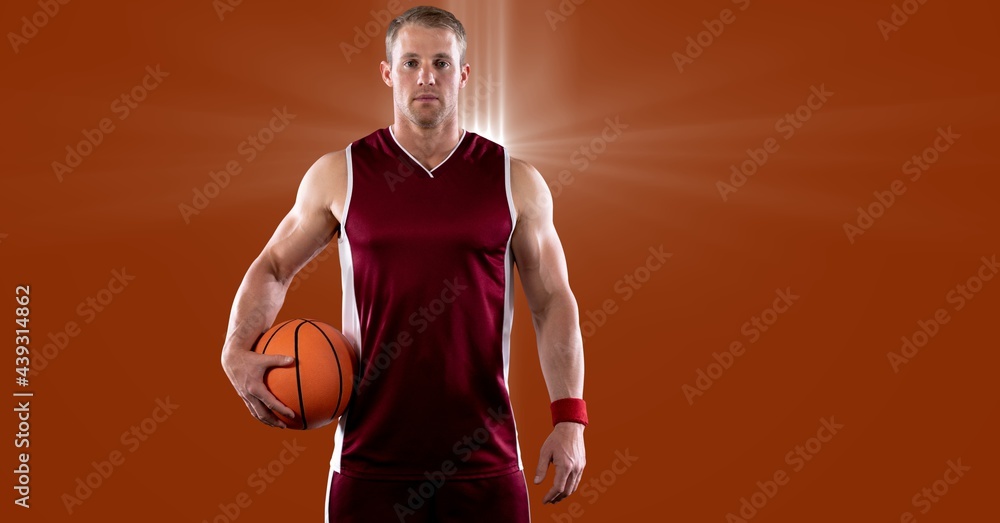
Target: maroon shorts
500,499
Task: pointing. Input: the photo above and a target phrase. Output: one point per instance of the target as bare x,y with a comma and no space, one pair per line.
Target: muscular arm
542,266
302,234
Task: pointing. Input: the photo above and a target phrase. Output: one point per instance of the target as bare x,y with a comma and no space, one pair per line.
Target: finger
576,480
543,465
271,402
559,484
576,476
263,413
570,479
264,408
562,477
553,496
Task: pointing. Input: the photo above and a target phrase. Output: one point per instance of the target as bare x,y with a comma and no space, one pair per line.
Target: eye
409,63
443,64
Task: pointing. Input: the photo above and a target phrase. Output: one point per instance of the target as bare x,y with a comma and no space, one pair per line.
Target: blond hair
426,16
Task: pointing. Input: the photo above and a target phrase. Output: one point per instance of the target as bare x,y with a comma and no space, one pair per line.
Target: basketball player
431,219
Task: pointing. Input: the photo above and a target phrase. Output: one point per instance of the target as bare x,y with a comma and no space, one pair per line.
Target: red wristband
569,409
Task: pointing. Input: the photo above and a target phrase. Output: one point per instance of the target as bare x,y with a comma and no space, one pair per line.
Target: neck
429,145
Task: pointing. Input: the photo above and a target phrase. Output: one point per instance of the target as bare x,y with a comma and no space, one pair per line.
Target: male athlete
431,219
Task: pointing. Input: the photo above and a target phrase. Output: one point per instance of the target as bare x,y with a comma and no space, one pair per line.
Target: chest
397,208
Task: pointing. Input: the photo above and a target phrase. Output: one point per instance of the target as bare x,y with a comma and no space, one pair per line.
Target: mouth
425,98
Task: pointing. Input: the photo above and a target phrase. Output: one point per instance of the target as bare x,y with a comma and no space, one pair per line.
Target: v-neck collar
430,172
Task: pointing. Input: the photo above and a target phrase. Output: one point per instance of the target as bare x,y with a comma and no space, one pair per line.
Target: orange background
654,185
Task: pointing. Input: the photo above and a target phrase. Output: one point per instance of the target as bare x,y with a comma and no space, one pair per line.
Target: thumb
543,465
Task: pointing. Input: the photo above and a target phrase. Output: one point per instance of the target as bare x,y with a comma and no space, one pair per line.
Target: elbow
266,268
560,305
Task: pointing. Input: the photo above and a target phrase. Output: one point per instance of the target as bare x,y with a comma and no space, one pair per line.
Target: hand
246,372
564,448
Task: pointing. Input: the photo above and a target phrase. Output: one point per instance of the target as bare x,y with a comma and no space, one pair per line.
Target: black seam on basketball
264,350
298,378
340,372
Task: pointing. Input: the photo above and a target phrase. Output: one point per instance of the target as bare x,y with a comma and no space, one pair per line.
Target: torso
427,266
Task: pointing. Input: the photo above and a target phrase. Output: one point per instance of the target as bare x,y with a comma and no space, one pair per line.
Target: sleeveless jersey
427,301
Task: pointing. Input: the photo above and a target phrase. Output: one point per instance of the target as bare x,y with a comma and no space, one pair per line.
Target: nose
425,76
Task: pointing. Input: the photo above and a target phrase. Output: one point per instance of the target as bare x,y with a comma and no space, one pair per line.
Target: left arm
554,313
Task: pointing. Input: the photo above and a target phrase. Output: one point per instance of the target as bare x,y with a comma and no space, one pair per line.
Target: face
425,75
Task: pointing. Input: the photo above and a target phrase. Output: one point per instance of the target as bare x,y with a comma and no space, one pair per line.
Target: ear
464,76
386,71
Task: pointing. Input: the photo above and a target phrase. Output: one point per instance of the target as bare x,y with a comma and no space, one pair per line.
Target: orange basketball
319,385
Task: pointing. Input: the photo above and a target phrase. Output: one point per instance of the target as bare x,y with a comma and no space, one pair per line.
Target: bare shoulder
529,191
325,183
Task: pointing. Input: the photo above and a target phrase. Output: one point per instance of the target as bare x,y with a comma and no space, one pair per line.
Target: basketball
319,385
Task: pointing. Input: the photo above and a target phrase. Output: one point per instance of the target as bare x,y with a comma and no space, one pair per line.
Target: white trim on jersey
350,321
429,172
508,293
329,484
527,495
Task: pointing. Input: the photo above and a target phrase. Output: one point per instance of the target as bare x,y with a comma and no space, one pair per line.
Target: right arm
303,233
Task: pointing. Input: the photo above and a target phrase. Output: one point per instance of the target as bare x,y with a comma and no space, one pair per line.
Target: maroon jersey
426,272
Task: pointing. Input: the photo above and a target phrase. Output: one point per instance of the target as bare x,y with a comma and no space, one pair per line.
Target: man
431,220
